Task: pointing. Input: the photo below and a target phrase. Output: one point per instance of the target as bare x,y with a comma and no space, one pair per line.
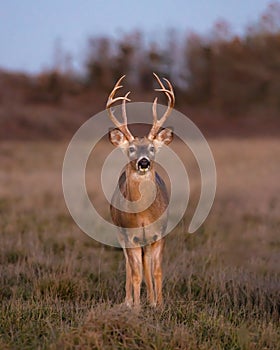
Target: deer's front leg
128,283
147,264
135,261
157,250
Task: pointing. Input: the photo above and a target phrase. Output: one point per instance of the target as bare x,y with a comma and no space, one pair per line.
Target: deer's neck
136,182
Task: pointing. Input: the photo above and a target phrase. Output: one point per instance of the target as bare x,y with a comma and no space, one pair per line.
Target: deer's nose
143,163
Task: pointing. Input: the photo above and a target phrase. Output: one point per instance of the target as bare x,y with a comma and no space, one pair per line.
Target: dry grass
61,289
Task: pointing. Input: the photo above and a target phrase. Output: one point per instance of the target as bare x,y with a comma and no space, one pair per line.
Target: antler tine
171,102
111,100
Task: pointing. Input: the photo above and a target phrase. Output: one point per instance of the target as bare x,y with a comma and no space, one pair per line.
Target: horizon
32,33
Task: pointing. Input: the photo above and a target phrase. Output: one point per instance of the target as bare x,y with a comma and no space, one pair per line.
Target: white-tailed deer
142,219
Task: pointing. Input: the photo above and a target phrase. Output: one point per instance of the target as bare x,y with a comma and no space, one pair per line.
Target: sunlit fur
141,231
146,245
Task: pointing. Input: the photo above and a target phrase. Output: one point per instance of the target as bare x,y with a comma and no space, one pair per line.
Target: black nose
144,163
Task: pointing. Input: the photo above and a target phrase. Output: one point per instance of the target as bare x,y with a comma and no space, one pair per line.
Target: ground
61,289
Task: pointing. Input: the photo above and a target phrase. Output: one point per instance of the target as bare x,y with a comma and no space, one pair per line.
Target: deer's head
141,151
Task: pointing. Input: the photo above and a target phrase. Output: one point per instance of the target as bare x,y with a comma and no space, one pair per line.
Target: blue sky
30,28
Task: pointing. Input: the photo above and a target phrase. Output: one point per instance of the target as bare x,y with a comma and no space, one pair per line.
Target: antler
171,102
111,100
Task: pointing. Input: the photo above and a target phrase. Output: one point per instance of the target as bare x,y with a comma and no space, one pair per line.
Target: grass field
60,289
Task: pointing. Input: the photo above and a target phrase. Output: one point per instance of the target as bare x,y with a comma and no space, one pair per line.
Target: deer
141,230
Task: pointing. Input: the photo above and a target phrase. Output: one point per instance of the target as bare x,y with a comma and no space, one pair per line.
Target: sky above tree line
31,30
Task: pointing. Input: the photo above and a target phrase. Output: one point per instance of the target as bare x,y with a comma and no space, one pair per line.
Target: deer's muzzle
143,164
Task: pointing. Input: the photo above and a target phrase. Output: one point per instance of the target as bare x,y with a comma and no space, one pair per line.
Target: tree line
222,70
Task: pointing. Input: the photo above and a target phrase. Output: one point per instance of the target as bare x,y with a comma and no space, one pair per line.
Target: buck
140,202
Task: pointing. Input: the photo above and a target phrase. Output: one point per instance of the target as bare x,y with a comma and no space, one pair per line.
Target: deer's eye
152,149
131,149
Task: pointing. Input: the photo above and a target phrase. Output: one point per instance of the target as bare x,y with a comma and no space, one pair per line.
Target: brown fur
143,243
139,204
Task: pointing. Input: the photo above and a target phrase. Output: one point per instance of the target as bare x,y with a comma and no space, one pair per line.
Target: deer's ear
117,138
165,136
